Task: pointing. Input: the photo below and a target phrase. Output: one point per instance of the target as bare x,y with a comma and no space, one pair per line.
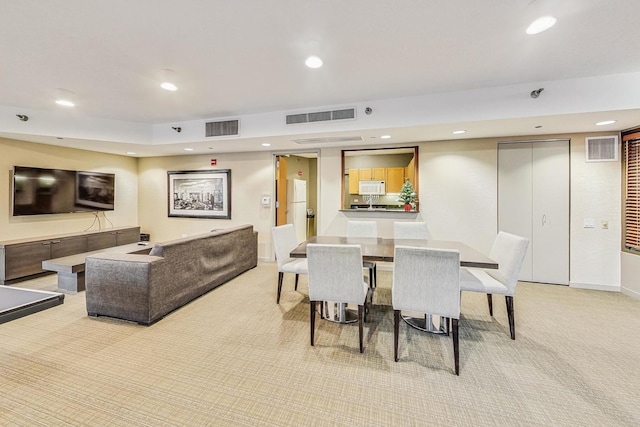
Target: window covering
632,193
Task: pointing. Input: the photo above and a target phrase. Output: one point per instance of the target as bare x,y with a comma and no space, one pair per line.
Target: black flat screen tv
38,191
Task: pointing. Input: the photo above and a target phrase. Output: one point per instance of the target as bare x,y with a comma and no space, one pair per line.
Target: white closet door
551,212
533,202
515,201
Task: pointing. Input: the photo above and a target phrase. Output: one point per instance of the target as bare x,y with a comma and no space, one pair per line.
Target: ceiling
425,68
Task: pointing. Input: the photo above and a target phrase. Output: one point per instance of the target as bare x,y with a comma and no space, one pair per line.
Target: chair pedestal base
338,312
431,323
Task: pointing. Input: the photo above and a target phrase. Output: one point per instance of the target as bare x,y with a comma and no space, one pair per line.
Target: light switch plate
589,223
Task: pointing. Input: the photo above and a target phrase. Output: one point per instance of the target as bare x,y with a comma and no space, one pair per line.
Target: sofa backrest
187,245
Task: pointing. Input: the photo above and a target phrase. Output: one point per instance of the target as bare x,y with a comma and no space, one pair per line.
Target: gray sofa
144,288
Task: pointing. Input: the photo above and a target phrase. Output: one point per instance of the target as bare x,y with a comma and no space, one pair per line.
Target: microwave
371,187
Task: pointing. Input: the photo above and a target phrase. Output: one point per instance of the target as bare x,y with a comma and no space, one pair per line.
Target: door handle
544,219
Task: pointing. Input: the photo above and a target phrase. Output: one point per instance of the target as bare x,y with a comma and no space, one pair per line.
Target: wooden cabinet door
365,174
124,237
101,241
26,259
354,181
395,179
378,174
68,246
410,173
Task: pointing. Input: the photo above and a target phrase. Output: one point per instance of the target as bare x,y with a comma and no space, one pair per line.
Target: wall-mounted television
38,191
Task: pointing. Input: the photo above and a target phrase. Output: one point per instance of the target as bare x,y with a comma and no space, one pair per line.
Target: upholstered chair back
426,281
284,241
335,273
509,251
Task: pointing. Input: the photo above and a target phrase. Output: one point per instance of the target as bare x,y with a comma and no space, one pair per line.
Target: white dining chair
335,274
284,241
365,229
508,251
411,230
426,281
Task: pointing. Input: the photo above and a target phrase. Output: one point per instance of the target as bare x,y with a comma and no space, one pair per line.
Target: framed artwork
200,194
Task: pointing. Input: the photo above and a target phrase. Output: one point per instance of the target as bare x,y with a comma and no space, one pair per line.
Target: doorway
296,185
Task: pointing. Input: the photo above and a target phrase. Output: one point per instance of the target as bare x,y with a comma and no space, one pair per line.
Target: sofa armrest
118,285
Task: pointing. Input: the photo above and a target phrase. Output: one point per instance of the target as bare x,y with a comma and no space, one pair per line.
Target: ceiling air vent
329,140
224,128
321,116
601,149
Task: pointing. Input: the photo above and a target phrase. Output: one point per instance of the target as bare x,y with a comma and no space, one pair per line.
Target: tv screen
39,191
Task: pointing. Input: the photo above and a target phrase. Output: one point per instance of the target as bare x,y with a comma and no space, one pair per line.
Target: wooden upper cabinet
395,179
378,174
371,174
411,173
365,174
354,180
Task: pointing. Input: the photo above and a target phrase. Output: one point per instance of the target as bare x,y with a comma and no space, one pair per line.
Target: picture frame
200,193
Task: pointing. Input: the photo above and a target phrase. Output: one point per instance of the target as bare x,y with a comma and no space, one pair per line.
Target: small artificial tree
407,193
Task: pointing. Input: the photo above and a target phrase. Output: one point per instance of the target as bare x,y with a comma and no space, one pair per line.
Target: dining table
381,249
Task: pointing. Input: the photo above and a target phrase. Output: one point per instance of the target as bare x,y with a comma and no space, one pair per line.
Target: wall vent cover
601,149
330,139
321,116
222,128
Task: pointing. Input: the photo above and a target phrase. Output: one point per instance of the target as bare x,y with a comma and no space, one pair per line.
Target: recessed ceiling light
541,24
169,86
605,122
458,132
188,149
313,62
130,152
65,103
168,78
65,98
385,136
266,144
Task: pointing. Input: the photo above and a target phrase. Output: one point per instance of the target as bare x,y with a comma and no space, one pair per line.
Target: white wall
21,153
595,194
630,274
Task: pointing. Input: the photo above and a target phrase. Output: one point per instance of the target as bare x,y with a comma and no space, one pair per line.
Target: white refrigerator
297,207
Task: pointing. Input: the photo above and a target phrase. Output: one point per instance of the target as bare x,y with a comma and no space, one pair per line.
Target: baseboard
595,287
631,293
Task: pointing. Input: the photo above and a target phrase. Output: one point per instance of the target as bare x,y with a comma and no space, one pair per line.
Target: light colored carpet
234,357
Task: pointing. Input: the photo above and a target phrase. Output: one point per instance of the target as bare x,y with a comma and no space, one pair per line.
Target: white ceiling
425,67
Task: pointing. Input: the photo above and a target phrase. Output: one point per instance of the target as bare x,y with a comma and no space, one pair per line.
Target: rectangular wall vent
330,139
601,149
223,128
321,116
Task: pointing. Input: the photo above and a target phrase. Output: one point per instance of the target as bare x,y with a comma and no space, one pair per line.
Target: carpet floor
235,357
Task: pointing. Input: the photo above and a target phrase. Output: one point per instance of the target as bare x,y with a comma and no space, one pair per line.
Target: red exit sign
214,162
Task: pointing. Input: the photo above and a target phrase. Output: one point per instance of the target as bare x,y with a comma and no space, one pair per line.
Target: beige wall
252,176
20,153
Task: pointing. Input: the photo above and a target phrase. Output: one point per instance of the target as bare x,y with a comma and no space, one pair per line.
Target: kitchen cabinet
395,179
410,173
354,179
372,174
